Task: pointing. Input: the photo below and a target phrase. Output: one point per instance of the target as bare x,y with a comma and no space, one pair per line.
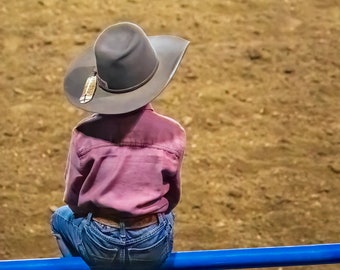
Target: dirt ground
258,93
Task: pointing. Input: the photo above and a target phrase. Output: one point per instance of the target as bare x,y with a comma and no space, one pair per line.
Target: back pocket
150,254
97,248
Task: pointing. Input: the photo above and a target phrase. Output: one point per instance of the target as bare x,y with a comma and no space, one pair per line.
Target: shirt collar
148,107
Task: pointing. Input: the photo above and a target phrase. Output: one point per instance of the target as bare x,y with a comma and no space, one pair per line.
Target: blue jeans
105,247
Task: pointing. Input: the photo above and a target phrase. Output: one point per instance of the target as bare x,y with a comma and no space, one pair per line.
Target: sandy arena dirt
258,93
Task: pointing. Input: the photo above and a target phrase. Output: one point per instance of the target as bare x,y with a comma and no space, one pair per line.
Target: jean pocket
97,250
149,254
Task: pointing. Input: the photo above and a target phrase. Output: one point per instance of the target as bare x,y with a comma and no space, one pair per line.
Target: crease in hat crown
125,58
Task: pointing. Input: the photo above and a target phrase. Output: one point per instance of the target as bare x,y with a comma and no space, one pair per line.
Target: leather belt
129,223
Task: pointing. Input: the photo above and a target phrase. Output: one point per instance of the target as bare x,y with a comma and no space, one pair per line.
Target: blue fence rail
241,258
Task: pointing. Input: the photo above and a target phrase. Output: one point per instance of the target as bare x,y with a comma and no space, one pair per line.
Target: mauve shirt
129,164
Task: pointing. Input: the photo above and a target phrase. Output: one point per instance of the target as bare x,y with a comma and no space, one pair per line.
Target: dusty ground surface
258,93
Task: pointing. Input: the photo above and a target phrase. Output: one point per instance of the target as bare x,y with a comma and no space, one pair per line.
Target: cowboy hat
124,70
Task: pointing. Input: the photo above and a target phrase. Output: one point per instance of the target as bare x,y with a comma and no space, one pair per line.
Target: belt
129,223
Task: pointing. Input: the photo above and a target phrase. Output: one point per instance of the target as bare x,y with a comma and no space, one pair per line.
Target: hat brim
169,51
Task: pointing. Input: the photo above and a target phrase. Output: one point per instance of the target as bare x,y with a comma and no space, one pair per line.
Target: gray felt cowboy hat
124,70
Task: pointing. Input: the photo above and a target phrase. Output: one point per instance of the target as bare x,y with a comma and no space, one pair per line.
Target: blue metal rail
210,259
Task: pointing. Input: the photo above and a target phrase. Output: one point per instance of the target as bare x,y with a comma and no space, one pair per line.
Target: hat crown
125,58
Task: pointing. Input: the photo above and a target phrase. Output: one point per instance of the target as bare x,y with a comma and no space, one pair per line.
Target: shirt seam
83,152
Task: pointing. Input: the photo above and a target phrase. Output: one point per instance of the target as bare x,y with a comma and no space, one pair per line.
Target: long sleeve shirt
128,163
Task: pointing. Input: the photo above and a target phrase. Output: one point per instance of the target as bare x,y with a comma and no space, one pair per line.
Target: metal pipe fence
241,258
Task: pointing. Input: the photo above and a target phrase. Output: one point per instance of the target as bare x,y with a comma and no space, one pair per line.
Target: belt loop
89,218
160,218
122,231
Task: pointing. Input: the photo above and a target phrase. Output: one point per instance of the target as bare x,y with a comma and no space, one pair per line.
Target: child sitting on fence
122,178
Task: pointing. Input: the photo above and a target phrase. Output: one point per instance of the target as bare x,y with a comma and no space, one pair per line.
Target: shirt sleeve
74,177
174,194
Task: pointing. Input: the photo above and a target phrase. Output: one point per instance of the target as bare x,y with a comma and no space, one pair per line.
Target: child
122,178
